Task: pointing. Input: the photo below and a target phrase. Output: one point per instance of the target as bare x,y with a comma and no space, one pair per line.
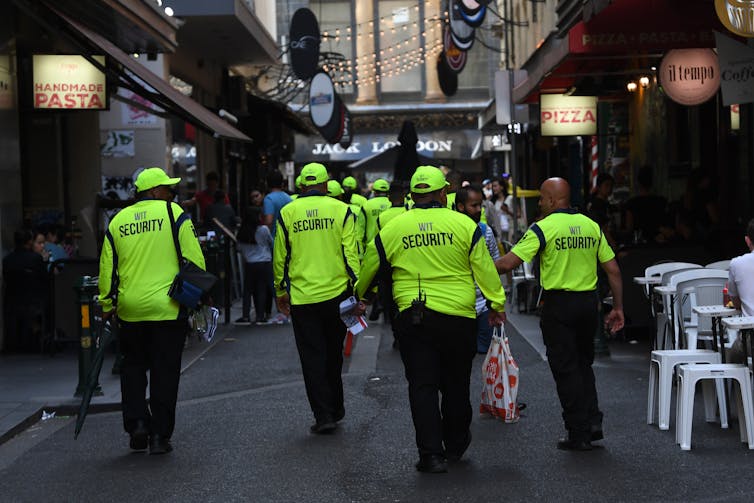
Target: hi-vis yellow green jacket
315,257
138,261
442,249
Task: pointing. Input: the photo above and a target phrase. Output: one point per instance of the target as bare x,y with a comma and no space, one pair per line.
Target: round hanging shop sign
690,76
737,16
325,107
455,57
304,33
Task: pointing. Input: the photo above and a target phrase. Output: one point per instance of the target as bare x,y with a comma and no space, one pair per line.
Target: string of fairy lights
389,61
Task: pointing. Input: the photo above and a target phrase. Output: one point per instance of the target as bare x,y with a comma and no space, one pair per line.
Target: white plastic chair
665,329
720,264
689,375
659,269
675,277
661,367
702,291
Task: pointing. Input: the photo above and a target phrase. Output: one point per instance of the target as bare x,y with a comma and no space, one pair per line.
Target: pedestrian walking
469,202
376,205
255,241
316,264
569,246
352,194
434,254
137,266
274,201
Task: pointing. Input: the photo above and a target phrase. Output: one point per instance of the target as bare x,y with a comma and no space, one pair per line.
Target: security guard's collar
570,211
312,193
431,204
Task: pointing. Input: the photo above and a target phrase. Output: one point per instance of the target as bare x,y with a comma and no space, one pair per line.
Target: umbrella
104,338
407,159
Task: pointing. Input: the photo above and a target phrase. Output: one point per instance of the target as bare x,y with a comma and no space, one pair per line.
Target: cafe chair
665,337
661,367
702,291
720,264
689,375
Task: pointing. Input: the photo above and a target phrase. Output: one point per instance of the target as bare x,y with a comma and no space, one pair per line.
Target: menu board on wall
68,82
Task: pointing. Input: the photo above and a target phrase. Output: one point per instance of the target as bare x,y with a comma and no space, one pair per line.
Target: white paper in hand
354,322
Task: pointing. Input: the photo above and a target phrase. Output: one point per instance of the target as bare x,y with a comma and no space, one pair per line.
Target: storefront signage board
68,82
690,76
737,16
736,70
562,115
449,144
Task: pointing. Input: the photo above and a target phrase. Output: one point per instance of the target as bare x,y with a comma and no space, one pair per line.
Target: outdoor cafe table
744,324
716,313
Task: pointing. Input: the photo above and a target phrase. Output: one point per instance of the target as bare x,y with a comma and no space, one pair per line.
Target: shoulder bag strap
174,231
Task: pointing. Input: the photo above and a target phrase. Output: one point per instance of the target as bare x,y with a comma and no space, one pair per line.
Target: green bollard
86,291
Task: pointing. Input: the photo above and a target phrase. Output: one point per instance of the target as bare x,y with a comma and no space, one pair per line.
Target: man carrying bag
138,265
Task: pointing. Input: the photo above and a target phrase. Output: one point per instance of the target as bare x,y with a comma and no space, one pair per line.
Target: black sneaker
243,320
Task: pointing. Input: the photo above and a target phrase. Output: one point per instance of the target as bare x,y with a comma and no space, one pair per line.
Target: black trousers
257,283
569,321
320,333
157,347
437,356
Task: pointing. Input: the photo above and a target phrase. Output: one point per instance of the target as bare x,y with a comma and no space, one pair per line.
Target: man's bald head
555,194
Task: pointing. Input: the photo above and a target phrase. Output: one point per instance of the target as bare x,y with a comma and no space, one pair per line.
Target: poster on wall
118,144
137,116
6,86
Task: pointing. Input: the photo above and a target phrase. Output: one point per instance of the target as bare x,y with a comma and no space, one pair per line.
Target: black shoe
340,415
566,444
432,463
243,320
455,456
596,433
159,445
140,436
323,427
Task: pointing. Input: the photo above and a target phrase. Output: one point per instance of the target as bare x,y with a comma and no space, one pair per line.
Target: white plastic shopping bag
500,380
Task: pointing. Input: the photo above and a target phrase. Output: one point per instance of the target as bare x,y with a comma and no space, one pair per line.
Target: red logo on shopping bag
499,390
492,370
512,380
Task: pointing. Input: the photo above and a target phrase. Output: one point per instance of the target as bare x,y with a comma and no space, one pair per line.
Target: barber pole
595,164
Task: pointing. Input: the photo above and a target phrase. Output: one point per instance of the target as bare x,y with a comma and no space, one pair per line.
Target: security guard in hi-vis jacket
570,246
137,266
433,255
316,263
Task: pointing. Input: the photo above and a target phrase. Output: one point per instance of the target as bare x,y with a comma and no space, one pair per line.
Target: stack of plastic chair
665,327
663,362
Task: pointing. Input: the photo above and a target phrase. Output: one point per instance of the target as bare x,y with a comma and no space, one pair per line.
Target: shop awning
162,93
622,41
